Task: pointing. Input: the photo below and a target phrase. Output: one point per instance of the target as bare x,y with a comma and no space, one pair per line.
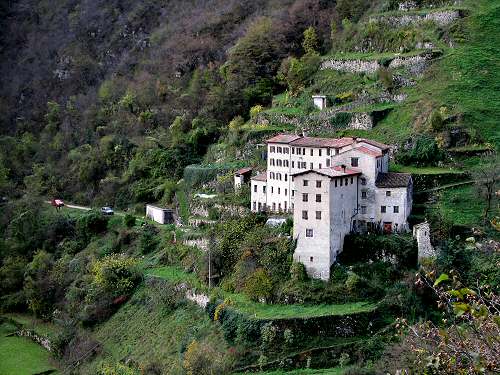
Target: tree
116,274
486,176
310,43
258,286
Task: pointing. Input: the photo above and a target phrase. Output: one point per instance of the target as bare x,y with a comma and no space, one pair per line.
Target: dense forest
122,103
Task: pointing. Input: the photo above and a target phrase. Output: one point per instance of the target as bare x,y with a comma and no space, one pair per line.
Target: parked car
107,211
58,203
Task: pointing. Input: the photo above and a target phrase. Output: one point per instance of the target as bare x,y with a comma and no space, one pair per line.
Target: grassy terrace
421,170
20,355
461,206
259,310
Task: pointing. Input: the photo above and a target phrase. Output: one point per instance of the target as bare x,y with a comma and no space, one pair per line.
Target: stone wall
441,18
414,64
41,340
422,233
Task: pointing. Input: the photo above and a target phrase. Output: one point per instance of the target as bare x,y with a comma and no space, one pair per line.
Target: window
279,206
388,193
305,197
293,193
346,181
260,206
309,232
286,150
319,151
306,183
363,195
318,184
271,175
254,206
279,162
312,152
337,151
363,181
272,149
327,162
383,209
286,163
303,151
354,162
318,215
396,209
318,197
286,177
279,191
304,215
311,164
286,192
363,209
335,183
279,150
319,165
328,151
311,259
293,164
284,203
264,188
274,206
272,190
341,181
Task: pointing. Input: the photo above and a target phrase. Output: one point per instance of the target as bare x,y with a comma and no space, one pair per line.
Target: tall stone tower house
333,187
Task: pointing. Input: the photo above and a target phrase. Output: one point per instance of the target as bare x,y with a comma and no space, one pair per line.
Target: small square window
318,215
363,209
311,259
388,193
309,232
318,197
363,195
383,209
354,162
318,184
306,182
363,181
304,215
305,197
396,209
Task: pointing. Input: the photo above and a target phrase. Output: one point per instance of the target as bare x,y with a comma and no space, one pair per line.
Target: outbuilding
159,214
242,176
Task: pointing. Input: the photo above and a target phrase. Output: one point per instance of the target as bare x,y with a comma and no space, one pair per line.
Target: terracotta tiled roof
243,170
368,151
321,142
392,180
331,172
283,138
381,146
260,177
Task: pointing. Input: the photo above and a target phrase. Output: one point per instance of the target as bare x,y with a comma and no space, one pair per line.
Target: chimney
304,133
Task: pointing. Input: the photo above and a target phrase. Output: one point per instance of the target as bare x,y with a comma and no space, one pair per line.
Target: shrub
116,274
298,272
255,110
201,358
258,286
90,224
424,152
148,240
129,220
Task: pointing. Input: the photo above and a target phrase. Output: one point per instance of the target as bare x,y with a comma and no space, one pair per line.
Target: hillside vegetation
124,103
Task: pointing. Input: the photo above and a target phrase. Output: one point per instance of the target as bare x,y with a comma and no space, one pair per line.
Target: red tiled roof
331,172
322,142
260,177
283,138
243,170
368,151
392,180
381,146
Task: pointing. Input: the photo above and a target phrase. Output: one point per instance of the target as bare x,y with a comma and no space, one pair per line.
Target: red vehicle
57,203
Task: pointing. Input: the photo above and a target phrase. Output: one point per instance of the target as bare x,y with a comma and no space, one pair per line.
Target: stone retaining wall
441,18
41,340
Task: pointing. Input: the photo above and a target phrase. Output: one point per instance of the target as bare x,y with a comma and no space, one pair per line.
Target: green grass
421,170
183,205
148,333
21,356
460,205
30,322
259,310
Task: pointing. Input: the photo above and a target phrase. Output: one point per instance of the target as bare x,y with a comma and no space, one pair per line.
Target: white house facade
333,187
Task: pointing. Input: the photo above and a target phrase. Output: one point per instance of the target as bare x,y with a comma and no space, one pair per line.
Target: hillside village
270,187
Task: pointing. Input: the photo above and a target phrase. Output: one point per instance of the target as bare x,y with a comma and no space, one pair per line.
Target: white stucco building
333,187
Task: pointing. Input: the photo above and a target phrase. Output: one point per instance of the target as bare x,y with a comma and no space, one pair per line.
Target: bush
258,286
148,240
116,274
201,358
425,152
129,220
90,224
